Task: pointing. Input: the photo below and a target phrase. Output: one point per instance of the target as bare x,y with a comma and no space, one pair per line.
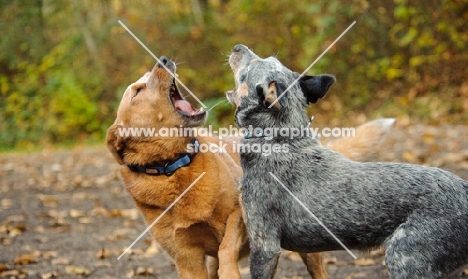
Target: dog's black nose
163,61
238,48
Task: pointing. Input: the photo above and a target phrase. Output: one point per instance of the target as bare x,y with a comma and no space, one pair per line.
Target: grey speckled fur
419,214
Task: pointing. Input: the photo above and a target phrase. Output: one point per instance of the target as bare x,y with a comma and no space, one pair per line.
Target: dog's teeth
202,109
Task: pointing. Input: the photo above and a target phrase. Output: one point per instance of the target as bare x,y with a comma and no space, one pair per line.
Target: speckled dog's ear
316,87
271,94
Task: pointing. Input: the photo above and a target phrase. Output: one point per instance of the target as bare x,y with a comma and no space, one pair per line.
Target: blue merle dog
419,214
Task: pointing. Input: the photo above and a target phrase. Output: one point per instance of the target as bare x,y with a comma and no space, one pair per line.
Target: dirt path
66,214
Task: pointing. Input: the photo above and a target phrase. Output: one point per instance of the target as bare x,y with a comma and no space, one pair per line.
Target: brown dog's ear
316,87
114,143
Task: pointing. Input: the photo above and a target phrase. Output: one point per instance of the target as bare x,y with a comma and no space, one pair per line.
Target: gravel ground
65,214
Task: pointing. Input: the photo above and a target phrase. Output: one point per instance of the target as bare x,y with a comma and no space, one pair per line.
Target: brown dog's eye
137,92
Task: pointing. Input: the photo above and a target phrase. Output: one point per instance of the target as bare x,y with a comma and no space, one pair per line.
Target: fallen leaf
39,229
59,215
85,220
409,157
75,213
99,211
14,232
6,203
103,253
16,218
60,261
78,270
41,239
115,213
56,167
102,264
153,248
5,274
119,234
130,213
6,241
81,196
428,139
4,227
48,275
48,200
26,259
130,273
103,179
364,262
49,254
144,271
136,251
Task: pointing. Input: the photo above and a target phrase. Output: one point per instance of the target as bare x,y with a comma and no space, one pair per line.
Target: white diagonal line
315,217
157,59
313,63
162,214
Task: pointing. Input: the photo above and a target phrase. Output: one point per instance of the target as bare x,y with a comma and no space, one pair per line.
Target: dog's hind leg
426,249
213,265
313,261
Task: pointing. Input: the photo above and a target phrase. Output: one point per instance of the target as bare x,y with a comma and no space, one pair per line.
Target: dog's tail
366,142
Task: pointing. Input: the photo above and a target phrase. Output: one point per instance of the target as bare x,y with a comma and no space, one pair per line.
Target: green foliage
64,64
220,112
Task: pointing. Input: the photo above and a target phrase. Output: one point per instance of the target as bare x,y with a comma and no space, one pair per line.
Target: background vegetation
65,64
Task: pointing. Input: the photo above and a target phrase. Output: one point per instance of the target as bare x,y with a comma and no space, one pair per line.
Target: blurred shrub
64,65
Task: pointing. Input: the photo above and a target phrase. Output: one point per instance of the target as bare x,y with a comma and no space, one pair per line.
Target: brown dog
207,220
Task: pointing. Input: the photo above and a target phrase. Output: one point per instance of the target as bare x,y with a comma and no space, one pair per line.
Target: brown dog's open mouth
183,107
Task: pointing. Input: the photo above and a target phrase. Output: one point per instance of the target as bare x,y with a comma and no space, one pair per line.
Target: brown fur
207,220
364,145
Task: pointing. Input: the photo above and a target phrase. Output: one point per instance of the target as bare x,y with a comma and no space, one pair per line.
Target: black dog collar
169,168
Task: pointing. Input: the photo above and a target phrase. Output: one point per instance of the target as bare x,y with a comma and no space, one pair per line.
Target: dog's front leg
264,239
188,253
233,241
191,264
263,262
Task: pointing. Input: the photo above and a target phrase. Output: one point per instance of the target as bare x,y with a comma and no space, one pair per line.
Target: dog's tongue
185,106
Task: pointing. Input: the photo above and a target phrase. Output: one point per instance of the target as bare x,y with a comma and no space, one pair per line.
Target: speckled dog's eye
242,78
